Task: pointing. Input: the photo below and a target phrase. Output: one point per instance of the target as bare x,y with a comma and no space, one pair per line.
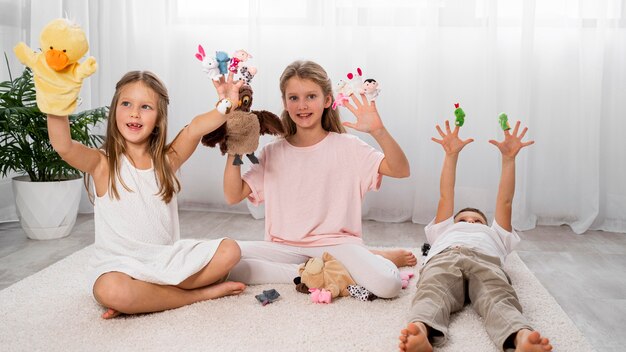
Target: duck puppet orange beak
57,59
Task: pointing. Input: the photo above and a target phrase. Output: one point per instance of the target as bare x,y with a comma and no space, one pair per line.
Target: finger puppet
209,64
222,61
247,73
238,57
267,297
356,80
326,273
460,115
240,133
344,91
370,89
504,122
58,74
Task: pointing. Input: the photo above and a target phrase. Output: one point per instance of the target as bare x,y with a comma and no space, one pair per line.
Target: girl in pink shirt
313,182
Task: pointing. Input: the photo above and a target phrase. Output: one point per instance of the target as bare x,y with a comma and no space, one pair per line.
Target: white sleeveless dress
139,234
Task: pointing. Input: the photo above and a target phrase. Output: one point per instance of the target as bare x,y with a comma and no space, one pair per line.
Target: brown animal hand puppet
326,273
240,133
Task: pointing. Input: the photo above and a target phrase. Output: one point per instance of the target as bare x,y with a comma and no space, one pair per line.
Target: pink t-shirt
313,194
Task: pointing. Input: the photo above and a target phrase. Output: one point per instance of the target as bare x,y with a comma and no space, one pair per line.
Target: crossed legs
121,293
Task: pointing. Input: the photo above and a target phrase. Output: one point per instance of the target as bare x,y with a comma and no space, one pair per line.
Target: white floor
585,273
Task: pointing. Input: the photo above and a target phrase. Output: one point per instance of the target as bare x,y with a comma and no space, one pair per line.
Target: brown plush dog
326,273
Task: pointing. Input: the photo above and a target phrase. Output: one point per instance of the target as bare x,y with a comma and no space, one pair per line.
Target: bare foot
228,288
415,338
531,341
110,314
400,257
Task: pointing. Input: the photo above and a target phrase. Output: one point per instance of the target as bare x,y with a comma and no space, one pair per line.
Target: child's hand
450,140
512,143
228,88
367,118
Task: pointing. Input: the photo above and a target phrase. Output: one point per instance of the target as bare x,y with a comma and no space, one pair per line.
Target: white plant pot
47,210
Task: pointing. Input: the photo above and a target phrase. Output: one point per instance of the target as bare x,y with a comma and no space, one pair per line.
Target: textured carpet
53,310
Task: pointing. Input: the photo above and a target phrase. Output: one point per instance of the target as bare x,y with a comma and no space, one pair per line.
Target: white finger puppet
370,89
209,64
356,80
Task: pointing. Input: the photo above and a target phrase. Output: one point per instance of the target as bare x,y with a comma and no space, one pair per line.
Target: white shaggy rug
53,310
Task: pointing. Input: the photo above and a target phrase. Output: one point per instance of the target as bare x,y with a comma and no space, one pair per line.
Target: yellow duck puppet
58,74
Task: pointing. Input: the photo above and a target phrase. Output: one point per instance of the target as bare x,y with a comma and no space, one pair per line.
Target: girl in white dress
140,264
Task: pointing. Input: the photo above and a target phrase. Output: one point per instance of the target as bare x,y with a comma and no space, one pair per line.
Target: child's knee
113,291
230,251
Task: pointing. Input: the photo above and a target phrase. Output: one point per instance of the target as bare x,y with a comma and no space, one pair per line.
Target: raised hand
367,118
512,143
450,140
228,88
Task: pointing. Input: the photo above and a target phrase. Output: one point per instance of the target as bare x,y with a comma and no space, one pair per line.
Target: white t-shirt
494,241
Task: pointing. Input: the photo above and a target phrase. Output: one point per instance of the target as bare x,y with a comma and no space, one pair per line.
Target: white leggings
264,262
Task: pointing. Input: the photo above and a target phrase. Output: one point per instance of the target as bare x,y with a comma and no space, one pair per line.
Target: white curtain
556,65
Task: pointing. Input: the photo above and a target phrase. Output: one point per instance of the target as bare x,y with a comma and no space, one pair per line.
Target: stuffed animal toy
222,61
460,115
209,64
370,89
344,91
58,74
247,73
267,297
356,81
326,273
240,133
238,57
504,122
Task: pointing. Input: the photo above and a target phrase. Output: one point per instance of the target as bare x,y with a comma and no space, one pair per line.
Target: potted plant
48,192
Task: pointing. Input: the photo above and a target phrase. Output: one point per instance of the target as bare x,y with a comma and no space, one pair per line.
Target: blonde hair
115,144
314,72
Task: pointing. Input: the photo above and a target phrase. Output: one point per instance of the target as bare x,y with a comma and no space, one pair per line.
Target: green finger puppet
504,122
460,115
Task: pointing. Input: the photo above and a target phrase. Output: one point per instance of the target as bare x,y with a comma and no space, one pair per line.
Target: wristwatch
223,106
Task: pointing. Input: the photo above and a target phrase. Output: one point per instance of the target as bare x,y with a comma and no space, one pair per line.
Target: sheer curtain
556,65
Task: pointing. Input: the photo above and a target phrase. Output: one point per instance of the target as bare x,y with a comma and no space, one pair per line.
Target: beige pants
459,275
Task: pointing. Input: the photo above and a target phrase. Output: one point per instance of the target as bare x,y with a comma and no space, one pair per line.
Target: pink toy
406,276
209,64
320,296
344,92
238,57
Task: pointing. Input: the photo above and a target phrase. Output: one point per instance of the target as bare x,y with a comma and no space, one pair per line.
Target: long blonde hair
115,144
314,72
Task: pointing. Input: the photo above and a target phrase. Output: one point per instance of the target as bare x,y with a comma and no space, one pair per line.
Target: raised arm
452,145
509,147
395,163
189,137
83,158
235,188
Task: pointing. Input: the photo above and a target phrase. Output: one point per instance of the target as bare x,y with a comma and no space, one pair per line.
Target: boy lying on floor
465,260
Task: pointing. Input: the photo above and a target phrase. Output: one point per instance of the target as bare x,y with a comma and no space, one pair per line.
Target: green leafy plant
24,143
